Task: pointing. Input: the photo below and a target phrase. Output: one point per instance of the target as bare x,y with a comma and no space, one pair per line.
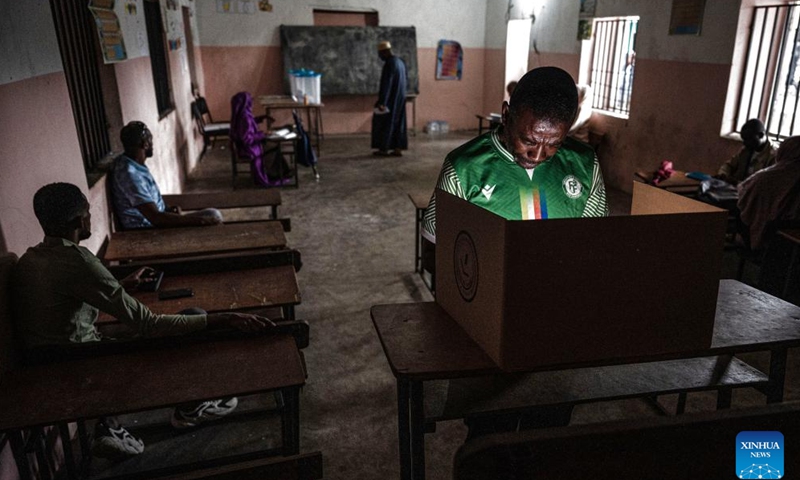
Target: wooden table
677,183
239,290
231,199
492,122
148,244
423,344
313,120
130,382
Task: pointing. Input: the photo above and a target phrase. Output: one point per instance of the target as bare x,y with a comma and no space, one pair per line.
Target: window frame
609,38
159,58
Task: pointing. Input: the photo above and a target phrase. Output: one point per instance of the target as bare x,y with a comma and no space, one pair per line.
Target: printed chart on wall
686,17
449,58
108,30
236,6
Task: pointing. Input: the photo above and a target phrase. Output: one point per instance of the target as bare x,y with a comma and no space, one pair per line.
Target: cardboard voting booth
570,291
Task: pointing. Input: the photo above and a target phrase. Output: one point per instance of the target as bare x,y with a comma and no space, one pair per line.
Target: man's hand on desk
134,280
241,321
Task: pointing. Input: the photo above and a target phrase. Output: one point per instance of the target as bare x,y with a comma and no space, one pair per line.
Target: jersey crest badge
572,187
487,191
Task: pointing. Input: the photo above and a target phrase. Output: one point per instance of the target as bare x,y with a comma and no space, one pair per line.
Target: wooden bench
225,200
98,379
688,447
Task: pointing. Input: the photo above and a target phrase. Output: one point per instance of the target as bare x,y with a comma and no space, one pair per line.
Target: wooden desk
133,245
492,122
420,201
239,290
677,183
422,343
78,390
313,120
223,200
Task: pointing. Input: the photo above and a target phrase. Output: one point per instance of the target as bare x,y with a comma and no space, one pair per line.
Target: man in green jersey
527,168
524,170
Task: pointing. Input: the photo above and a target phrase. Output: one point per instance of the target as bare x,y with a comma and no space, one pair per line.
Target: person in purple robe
248,139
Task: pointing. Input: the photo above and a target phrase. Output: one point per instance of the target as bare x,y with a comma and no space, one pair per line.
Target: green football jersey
482,171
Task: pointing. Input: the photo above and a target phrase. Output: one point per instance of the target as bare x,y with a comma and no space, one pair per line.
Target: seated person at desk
59,287
772,195
527,169
249,143
135,194
757,153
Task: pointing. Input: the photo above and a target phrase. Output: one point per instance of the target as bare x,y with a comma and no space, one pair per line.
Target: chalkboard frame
347,57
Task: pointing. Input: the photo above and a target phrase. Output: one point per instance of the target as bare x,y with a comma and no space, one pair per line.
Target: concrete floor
355,229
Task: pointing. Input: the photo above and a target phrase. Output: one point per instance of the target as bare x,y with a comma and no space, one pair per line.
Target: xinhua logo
759,455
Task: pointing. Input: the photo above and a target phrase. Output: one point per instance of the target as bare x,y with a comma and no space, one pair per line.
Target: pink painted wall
676,113
259,70
39,146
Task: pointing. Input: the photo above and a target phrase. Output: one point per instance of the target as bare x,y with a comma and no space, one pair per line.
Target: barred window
77,40
771,75
158,56
613,58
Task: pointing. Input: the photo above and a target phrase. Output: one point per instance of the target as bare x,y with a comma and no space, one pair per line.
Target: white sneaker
204,412
115,443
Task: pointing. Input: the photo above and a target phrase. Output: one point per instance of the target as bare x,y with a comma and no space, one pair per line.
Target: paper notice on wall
237,6
108,30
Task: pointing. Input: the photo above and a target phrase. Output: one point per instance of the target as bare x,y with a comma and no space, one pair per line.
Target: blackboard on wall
347,57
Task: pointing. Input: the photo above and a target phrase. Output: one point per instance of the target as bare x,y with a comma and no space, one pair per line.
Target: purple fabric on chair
247,138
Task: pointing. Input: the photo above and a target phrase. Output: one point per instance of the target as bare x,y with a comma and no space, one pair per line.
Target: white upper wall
459,20
28,44
713,45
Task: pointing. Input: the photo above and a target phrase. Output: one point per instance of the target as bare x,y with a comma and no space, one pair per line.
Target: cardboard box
585,290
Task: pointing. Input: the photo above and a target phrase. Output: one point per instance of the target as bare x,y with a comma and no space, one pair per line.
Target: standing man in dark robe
389,118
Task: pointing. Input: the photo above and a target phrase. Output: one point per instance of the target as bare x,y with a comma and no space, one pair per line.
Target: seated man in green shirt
527,169
60,286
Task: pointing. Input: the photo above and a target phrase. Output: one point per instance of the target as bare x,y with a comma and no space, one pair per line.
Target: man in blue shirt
136,197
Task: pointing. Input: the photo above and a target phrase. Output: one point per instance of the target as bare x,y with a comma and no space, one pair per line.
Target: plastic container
306,84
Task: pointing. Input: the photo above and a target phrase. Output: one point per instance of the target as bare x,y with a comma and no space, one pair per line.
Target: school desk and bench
426,348
127,377
569,311
267,198
154,244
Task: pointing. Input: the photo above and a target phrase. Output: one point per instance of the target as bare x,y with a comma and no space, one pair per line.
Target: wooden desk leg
404,428
86,448
417,258
69,456
777,375
417,410
480,126
274,212
290,421
42,453
20,457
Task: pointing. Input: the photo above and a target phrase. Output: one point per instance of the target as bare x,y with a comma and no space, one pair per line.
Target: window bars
769,88
613,61
77,38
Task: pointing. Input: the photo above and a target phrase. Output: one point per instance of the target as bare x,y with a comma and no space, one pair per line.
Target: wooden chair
209,129
273,146
682,448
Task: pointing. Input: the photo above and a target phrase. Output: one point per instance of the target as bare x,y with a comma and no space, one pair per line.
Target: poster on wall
449,60
686,17
237,6
585,19
108,30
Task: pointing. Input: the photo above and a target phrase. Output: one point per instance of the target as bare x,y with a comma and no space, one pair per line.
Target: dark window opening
158,57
